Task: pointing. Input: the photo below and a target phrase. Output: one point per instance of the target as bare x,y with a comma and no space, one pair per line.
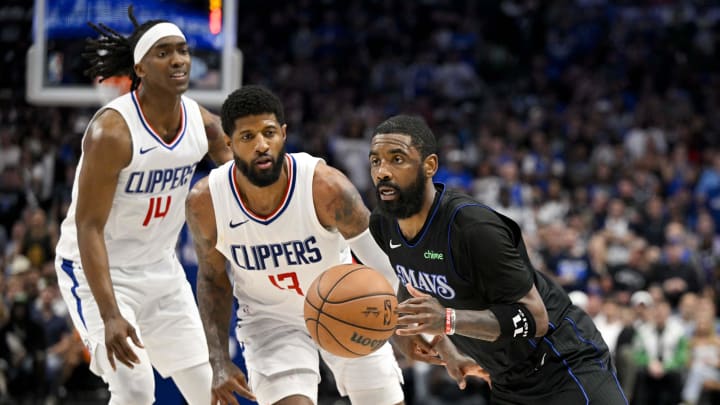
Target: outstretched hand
461,367
429,315
117,332
416,348
229,380
420,314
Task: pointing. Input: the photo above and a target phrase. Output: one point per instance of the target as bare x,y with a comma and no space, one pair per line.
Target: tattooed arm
214,293
338,203
339,206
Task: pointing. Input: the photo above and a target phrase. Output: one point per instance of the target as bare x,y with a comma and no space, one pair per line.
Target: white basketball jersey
274,259
148,209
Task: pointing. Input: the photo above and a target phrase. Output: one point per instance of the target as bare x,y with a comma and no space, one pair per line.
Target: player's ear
430,165
283,128
139,70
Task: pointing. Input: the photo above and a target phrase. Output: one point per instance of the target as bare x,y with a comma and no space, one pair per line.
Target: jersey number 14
157,208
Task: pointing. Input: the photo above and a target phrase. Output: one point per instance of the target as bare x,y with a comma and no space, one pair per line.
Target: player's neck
263,201
411,226
163,112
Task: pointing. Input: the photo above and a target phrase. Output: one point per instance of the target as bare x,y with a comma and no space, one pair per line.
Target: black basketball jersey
470,257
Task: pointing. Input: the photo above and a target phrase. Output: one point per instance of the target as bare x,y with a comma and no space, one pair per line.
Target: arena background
593,123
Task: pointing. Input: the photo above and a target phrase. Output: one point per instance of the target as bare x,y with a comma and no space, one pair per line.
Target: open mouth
264,163
387,192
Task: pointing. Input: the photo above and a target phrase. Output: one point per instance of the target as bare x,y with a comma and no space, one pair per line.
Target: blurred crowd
595,124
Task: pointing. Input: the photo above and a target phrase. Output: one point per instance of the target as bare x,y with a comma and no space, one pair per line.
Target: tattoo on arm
214,291
351,215
215,303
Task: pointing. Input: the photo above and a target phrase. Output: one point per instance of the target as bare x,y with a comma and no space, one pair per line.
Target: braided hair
112,53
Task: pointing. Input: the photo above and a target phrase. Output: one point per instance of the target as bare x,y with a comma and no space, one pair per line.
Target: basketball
350,310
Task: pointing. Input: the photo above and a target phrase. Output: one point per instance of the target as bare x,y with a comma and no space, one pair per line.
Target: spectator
687,311
38,243
661,352
708,248
704,358
454,175
652,221
22,348
610,323
564,259
674,272
55,327
632,276
522,214
707,189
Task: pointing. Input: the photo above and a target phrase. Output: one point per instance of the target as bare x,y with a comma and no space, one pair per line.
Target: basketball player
465,273
279,220
116,264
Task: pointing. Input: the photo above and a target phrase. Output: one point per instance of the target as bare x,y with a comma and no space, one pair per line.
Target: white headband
154,34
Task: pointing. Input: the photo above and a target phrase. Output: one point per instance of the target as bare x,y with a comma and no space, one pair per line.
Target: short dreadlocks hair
112,53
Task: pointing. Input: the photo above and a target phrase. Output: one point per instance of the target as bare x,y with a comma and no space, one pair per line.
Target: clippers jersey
148,209
273,259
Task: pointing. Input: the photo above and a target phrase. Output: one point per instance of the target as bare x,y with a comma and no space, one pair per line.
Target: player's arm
415,347
505,320
214,294
516,309
218,149
107,149
439,350
493,260
426,315
338,205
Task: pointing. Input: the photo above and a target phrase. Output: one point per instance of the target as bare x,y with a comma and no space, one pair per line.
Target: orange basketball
350,310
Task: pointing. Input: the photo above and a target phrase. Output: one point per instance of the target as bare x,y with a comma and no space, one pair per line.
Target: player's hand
420,314
117,332
418,349
459,367
227,380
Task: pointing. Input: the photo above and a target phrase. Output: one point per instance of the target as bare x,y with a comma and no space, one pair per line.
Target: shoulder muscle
338,204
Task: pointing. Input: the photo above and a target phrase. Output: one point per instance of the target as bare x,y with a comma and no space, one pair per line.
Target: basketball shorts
163,313
285,361
570,365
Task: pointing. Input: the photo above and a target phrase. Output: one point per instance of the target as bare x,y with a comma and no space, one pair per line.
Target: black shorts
570,365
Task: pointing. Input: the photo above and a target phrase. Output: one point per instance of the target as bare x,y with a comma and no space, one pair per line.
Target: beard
261,178
409,200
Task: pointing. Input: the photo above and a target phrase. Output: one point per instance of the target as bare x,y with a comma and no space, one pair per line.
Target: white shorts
163,313
286,361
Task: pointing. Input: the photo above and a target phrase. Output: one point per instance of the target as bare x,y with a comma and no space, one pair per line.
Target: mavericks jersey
470,257
148,208
273,259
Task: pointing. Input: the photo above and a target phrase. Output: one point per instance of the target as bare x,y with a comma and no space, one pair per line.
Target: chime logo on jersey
159,180
430,255
273,255
435,284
